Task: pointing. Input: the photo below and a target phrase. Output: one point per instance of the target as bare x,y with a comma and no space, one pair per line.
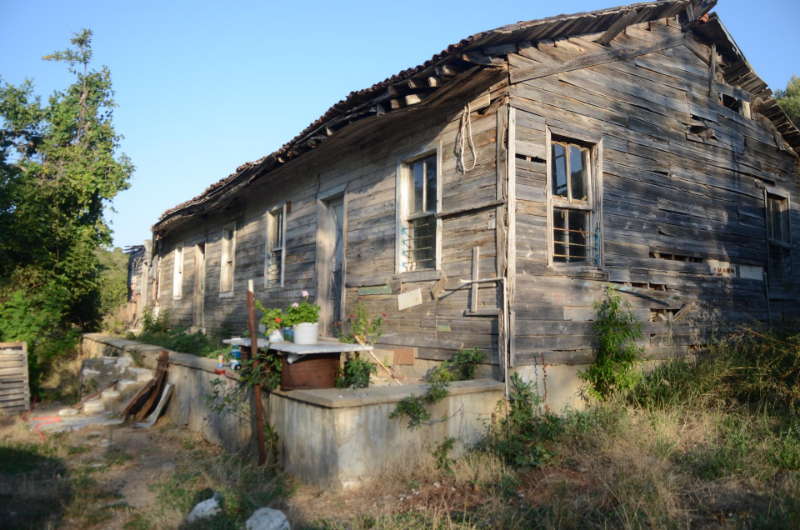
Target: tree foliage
59,168
789,99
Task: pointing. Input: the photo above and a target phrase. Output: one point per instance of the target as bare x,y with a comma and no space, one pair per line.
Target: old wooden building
634,146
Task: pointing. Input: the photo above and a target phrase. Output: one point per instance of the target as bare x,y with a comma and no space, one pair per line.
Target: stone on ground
67,412
207,508
267,519
94,406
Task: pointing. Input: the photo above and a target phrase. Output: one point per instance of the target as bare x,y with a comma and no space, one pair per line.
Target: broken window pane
571,239
431,195
579,172
559,170
418,182
780,267
778,218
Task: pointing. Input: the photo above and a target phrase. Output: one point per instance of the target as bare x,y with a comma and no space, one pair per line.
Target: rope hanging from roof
465,129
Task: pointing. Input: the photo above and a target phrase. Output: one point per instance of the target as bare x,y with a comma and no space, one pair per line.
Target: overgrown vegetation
789,99
461,368
59,168
156,331
364,328
617,329
706,442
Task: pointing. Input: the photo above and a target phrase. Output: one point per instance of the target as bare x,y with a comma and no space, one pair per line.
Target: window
228,255
275,249
574,216
177,275
419,200
779,239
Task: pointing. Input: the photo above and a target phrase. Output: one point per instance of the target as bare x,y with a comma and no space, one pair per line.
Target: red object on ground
47,421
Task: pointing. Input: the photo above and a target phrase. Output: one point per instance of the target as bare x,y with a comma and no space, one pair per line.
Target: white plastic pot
306,333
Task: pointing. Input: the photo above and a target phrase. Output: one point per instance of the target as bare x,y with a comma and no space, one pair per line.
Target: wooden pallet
15,393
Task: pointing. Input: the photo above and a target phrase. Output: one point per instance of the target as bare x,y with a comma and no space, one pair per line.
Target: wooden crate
15,392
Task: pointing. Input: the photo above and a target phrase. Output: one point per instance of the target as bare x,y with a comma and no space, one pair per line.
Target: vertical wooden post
712,73
476,254
253,327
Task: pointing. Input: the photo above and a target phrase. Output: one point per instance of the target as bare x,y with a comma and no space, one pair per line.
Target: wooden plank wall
367,166
667,193
15,392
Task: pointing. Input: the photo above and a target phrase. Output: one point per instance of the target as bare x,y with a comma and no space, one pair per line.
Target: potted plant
273,320
304,318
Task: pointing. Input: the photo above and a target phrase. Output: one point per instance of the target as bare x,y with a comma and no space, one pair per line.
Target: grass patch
706,442
242,485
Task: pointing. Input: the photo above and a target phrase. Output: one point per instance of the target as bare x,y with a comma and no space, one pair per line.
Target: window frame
770,191
595,201
177,271
402,174
230,227
268,249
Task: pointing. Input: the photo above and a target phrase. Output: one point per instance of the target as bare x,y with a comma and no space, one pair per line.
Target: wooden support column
253,328
712,73
511,249
473,301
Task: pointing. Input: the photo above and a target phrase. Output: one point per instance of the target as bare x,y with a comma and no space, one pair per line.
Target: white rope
466,128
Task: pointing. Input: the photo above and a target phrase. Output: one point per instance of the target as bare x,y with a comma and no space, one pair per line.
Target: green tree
789,99
58,171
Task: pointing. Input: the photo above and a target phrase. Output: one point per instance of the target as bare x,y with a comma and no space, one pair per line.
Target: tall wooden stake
253,327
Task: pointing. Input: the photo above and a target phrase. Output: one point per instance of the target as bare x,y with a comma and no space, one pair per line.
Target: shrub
356,373
524,436
614,369
365,327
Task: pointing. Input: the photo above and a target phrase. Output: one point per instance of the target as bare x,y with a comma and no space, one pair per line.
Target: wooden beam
479,58
476,263
446,70
734,92
617,27
712,73
434,81
413,99
693,15
585,61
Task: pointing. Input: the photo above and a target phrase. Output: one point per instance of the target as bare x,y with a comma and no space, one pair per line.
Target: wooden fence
15,393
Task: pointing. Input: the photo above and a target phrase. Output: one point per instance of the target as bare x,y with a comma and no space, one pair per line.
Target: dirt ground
122,461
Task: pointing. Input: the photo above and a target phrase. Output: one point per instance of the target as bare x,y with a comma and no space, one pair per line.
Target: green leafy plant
356,372
465,363
302,312
412,407
525,435
617,329
461,368
442,454
272,318
365,327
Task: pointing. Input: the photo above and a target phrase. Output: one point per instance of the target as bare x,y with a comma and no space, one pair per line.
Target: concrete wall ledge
335,398
150,353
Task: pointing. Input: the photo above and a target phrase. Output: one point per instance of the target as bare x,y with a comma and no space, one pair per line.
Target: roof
420,85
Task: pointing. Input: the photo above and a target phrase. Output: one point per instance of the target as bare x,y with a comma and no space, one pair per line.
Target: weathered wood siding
367,165
665,192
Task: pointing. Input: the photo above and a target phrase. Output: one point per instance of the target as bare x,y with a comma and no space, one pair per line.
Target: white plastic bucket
306,333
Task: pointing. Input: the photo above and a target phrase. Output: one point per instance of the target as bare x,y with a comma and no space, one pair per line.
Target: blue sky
203,87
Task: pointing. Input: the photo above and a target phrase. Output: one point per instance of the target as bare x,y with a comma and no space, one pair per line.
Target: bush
156,331
614,369
525,436
356,373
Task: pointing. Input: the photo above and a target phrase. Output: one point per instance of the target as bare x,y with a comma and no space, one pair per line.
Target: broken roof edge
373,100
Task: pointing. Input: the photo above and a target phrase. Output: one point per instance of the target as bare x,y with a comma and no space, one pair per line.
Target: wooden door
330,263
199,284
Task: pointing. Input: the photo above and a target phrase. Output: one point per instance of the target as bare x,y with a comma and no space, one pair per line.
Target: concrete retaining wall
328,438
